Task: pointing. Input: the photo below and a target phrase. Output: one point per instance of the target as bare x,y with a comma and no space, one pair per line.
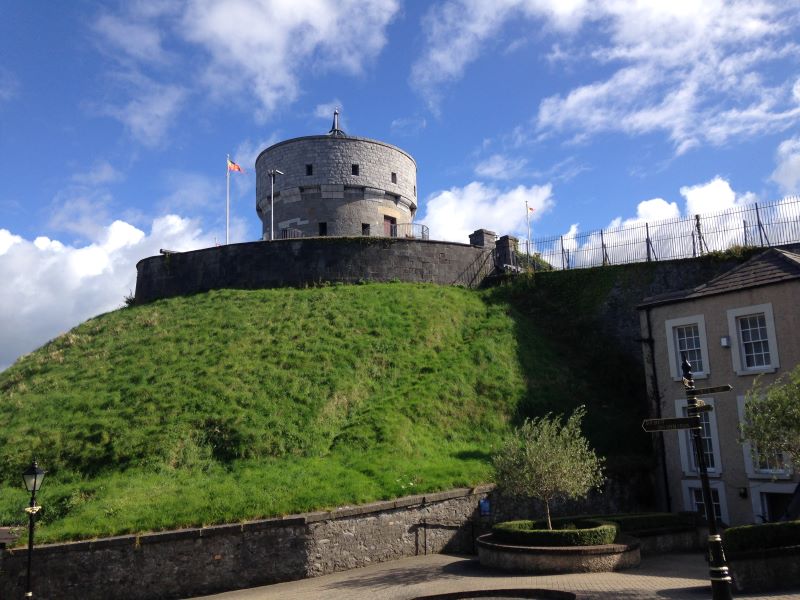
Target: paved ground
669,576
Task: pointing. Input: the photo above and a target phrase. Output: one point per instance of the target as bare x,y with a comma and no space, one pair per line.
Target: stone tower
337,185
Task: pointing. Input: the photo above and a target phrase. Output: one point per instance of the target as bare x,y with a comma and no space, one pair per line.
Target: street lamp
272,173
33,477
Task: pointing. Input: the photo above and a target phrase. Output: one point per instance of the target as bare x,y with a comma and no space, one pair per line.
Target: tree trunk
547,512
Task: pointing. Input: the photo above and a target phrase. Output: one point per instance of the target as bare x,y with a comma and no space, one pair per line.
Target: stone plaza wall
206,560
309,261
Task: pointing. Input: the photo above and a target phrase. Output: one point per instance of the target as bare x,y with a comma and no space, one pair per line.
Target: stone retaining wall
309,261
205,560
199,561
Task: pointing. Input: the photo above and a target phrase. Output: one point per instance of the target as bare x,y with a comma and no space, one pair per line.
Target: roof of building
768,268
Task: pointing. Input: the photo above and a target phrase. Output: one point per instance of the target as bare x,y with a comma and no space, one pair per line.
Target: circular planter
623,554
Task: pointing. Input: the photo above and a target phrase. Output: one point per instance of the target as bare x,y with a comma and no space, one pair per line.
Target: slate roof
769,267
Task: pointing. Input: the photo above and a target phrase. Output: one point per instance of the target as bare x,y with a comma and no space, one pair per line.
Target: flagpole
528,220
227,197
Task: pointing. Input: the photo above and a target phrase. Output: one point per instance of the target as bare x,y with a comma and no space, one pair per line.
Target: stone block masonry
310,261
206,560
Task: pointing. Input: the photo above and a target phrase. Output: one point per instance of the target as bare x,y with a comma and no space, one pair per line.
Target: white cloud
101,172
261,47
135,40
152,109
455,213
325,110
456,32
713,196
7,239
50,287
80,210
408,125
700,72
787,173
498,166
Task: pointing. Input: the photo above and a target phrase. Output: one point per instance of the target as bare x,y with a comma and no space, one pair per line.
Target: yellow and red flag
232,166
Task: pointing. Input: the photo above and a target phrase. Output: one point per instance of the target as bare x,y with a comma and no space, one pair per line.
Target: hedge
761,537
637,522
583,532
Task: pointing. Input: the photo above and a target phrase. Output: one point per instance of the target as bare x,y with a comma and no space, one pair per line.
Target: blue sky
115,119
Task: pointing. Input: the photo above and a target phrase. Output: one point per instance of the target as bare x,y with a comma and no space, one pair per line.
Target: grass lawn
235,405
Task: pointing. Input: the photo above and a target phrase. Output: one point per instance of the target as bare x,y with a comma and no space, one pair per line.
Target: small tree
546,460
772,416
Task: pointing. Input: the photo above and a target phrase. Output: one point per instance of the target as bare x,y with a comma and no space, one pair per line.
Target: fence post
647,240
744,228
694,247
603,245
700,241
762,233
562,253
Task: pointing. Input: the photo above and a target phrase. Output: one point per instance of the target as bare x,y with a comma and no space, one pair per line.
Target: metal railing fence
417,231
770,224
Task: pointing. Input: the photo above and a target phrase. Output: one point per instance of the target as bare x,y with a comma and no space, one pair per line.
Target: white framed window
693,498
756,347
770,499
686,338
761,466
710,439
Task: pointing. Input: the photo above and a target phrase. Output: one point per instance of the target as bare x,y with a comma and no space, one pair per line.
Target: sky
116,119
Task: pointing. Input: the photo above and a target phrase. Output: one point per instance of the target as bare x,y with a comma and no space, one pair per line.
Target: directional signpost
720,579
651,425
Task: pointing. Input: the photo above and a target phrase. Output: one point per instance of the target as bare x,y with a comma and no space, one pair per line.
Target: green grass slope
235,405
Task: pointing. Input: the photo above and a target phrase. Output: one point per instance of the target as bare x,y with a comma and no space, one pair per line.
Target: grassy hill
235,405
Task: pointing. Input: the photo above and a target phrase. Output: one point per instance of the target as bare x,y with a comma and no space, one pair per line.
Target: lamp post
33,477
272,173
720,579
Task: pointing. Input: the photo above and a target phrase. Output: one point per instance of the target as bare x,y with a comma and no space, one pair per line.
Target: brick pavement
668,576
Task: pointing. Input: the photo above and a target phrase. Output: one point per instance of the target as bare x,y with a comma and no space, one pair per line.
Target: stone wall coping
623,544
298,520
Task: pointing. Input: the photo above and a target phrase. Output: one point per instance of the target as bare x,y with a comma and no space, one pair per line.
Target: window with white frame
693,498
756,347
770,500
758,464
686,338
709,439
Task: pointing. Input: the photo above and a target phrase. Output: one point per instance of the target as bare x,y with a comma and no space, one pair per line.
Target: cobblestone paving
670,576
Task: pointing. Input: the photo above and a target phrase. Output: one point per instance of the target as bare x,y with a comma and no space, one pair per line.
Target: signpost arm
718,569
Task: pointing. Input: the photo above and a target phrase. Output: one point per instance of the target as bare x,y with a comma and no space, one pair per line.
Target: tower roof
335,131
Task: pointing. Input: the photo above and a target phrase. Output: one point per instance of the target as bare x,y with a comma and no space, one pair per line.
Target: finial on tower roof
335,131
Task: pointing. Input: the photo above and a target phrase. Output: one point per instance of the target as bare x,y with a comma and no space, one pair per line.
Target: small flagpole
227,197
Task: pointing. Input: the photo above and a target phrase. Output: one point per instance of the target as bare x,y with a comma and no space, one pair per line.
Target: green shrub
638,522
761,537
584,532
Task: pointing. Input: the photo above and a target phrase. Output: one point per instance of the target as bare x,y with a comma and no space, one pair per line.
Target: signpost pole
718,569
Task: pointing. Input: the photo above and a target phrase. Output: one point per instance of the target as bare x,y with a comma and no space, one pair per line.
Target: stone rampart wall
309,261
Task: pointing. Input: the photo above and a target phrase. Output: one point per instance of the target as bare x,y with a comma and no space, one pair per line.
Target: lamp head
33,477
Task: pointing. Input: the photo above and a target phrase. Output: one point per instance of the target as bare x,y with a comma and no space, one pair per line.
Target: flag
232,166
531,209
